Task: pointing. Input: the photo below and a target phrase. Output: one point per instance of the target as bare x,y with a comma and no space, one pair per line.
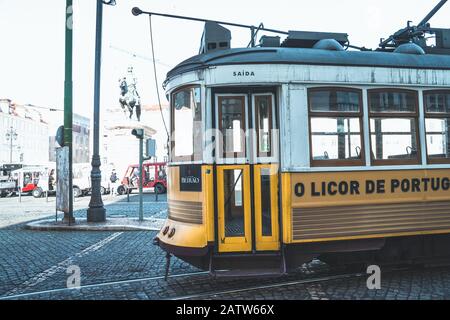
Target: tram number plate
191,178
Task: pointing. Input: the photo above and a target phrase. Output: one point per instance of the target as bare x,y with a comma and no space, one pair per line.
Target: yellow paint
287,208
239,243
381,235
186,234
208,201
266,242
291,200
308,201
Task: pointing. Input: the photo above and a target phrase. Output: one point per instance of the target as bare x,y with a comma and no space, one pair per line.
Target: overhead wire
156,80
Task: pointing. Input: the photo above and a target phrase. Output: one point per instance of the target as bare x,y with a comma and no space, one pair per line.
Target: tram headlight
166,229
172,233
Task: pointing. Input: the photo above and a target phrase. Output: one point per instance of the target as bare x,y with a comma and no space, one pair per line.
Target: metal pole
20,182
96,211
68,101
141,182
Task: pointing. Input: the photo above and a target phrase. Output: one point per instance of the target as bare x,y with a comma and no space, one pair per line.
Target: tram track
307,280
216,294
102,284
304,281
269,286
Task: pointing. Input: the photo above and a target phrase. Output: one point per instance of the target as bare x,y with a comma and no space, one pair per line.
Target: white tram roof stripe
311,57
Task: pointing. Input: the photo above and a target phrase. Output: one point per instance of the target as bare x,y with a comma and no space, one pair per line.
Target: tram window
266,212
335,100
437,125
335,126
232,126
186,125
263,116
392,101
393,126
234,203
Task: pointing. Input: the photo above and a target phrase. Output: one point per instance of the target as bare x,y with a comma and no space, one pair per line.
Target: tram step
247,264
247,273
247,255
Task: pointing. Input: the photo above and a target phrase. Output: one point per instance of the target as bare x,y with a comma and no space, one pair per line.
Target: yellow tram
289,151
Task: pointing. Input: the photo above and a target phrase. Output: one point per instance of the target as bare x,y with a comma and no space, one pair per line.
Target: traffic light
150,148
138,133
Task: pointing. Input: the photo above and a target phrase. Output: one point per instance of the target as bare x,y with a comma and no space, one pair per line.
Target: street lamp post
96,211
68,104
11,135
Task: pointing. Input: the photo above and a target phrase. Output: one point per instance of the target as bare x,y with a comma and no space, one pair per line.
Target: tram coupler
168,256
155,241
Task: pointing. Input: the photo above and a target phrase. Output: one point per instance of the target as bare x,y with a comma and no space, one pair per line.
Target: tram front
223,177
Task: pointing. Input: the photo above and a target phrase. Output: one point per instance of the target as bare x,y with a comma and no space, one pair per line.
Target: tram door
247,172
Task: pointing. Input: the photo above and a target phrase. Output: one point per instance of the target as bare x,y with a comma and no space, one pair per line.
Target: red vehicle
155,177
28,178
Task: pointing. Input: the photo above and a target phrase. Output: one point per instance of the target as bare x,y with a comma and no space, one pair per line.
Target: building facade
81,128
23,135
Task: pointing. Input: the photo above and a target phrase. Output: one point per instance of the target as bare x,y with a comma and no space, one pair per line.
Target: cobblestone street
126,265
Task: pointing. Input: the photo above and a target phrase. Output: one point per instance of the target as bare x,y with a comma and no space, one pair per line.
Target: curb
110,225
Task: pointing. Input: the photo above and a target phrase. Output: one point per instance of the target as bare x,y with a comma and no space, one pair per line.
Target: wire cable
156,80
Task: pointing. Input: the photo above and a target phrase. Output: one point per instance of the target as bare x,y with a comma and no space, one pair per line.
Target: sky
32,39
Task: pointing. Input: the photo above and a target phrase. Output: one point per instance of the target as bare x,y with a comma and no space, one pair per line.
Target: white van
82,180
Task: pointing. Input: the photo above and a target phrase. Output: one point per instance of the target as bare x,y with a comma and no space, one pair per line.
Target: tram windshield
186,125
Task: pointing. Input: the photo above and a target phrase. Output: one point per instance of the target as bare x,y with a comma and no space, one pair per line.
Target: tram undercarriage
415,250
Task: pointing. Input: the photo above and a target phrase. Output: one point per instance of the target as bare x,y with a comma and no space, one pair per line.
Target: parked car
7,186
155,177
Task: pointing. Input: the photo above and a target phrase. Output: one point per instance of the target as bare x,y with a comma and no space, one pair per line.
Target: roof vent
409,48
307,39
328,44
266,41
215,37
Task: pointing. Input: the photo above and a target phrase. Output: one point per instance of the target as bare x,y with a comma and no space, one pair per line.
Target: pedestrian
113,180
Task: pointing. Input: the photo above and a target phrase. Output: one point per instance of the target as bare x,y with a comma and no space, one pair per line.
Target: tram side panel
331,206
188,228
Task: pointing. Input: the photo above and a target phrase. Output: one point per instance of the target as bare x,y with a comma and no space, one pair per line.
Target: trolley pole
68,101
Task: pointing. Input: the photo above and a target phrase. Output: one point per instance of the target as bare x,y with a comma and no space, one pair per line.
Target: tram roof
280,55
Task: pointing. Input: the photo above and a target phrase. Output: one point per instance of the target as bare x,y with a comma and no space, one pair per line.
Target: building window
335,118
186,125
437,125
394,135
